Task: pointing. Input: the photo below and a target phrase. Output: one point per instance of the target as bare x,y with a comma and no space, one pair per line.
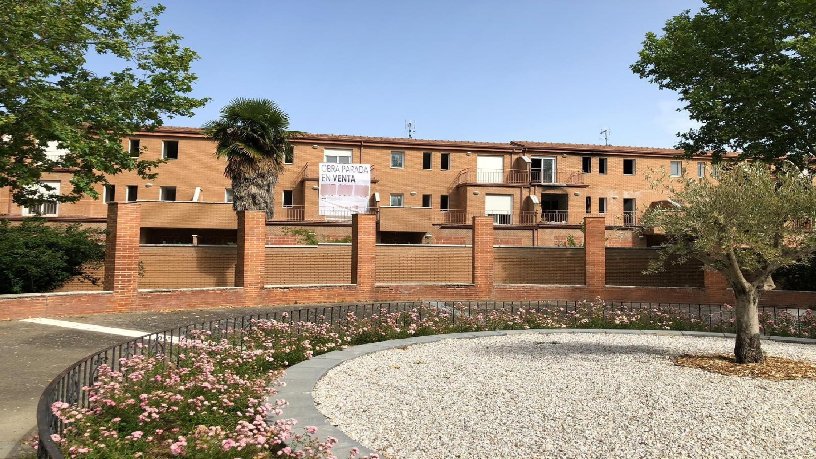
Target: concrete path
33,352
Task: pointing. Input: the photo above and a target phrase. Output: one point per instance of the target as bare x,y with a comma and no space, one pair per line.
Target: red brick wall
317,264
362,269
539,265
423,263
626,267
166,266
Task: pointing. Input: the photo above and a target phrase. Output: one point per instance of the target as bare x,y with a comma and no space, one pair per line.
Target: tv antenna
605,133
410,126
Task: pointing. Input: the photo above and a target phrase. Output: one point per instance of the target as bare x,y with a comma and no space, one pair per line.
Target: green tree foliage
39,257
747,224
54,88
745,70
252,134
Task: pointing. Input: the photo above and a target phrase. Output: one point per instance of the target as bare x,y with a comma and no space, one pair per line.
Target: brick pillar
595,252
483,255
251,263
364,252
122,254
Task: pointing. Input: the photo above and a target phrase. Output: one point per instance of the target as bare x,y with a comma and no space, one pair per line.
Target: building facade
423,191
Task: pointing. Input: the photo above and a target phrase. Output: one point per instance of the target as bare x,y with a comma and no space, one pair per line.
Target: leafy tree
36,257
252,134
50,92
745,70
747,224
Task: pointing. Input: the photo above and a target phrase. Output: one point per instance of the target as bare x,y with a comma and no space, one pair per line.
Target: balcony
518,177
554,216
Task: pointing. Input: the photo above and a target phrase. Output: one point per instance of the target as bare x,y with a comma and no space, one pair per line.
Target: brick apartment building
423,191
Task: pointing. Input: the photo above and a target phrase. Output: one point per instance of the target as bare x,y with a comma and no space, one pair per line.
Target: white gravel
567,395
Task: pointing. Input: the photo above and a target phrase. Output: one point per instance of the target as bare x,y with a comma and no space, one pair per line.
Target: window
109,194
170,149
586,164
396,200
398,159
500,207
289,154
602,166
542,170
288,198
426,200
676,169
228,196
337,156
601,205
427,157
443,202
628,167
133,148
131,193
444,161
701,167
489,169
588,205
167,193
48,208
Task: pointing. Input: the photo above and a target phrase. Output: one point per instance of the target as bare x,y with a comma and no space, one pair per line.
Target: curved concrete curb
301,379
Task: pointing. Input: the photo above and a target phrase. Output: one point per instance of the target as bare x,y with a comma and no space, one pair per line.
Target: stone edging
301,379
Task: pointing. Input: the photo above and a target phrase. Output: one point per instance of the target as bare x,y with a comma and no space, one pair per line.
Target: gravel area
567,395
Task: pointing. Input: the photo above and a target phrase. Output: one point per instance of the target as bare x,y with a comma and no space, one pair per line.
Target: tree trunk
254,192
747,348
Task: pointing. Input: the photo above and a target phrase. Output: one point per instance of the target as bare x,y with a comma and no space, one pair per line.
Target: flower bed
210,401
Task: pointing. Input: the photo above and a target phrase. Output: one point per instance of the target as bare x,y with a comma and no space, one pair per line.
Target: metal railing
629,218
48,208
292,214
554,216
67,386
453,217
500,217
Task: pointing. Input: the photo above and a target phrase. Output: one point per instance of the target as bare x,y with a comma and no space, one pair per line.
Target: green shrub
36,257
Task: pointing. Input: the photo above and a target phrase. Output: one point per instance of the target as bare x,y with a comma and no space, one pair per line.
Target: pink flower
137,434
311,429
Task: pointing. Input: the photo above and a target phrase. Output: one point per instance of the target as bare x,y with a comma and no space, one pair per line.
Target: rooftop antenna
605,133
410,126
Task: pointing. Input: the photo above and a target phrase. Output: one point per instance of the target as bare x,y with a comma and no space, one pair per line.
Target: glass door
543,169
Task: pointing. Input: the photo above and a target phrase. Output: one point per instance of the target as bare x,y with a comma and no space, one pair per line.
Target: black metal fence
68,385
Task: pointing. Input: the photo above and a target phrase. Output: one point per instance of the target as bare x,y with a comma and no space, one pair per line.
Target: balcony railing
629,218
500,217
453,217
518,177
293,214
43,209
554,216
528,217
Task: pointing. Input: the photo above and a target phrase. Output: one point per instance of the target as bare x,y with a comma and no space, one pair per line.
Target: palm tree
252,134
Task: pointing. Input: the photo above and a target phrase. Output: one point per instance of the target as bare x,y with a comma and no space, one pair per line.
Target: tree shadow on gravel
554,347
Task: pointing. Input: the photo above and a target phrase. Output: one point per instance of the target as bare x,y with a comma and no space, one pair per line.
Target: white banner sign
344,189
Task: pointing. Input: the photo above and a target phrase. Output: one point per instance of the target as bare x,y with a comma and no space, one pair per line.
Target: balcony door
543,169
489,169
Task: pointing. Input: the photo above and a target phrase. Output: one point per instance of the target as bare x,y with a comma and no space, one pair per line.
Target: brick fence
492,274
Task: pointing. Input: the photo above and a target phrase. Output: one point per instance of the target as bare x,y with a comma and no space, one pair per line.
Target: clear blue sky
555,71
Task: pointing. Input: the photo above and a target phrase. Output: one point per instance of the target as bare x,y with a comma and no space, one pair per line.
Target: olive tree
750,221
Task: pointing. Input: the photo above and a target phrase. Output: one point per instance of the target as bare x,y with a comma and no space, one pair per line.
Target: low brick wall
54,304
625,266
539,265
167,266
399,264
315,264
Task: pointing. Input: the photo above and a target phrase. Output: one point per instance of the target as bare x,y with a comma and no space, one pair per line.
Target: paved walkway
32,353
